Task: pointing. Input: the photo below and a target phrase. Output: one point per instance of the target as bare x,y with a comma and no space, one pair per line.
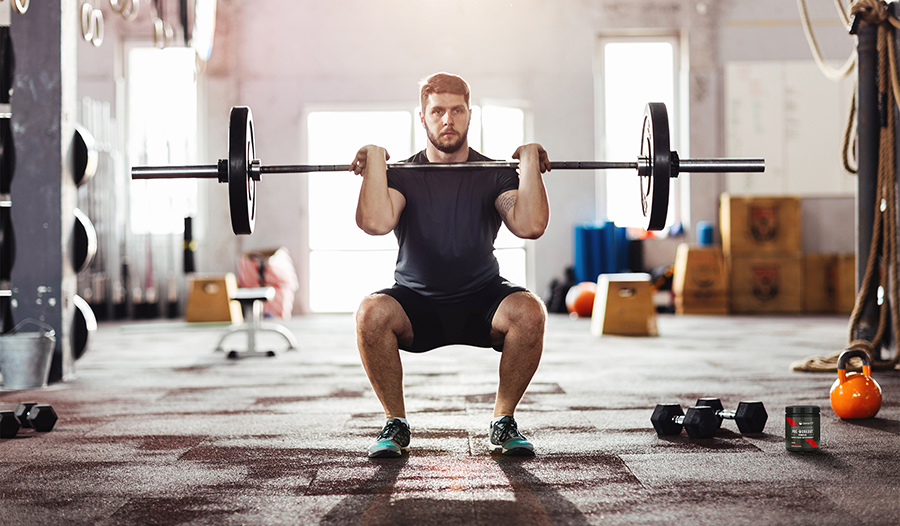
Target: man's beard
451,147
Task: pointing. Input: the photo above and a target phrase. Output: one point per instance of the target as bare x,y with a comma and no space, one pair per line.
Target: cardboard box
819,273
699,283
210,300
845,283
623,305
750,225
771,283
830,283
712,305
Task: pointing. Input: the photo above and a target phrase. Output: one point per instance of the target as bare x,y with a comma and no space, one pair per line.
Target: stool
254,298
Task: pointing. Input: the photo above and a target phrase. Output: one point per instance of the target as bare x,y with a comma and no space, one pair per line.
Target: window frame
679,199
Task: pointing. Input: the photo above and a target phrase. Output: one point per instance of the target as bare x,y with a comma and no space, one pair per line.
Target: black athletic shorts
464,322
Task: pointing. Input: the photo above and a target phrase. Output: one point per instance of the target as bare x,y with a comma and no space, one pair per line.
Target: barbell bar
656,165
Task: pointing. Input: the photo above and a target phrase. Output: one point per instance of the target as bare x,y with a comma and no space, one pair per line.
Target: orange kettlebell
855,395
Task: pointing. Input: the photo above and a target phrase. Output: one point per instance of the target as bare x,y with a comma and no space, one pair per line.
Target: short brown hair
443,83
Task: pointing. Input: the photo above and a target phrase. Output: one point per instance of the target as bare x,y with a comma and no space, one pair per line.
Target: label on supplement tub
801,433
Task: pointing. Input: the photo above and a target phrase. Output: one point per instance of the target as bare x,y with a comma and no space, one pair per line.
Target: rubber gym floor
157,428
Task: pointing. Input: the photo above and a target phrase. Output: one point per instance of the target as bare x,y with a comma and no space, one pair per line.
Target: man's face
446,120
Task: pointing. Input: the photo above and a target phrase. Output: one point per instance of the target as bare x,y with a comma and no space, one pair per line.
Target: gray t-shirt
447,229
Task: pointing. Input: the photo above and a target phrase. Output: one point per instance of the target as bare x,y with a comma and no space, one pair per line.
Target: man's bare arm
526,211
379,207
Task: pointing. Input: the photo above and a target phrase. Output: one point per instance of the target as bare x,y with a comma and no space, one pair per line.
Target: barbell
655,166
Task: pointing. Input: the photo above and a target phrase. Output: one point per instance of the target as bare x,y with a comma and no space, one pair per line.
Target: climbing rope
827,70
883,250
848,147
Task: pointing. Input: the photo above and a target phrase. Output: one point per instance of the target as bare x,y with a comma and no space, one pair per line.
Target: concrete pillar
43,193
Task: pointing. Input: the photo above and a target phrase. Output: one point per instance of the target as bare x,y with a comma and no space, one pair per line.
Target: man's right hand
379,206
358,166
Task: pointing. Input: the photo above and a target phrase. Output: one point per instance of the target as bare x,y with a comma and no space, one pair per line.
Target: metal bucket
25,356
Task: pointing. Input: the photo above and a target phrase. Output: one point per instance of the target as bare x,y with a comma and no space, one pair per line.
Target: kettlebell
855,395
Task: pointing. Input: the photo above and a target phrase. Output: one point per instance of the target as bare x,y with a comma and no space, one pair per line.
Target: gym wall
280,56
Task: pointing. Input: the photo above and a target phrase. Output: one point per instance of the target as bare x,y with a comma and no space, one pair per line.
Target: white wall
375,52
279,56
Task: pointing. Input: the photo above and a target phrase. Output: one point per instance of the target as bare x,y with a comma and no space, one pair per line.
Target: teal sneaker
392,440
505,436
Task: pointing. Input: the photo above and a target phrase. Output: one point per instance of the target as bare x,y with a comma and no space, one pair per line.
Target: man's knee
379,312
524,311
374,311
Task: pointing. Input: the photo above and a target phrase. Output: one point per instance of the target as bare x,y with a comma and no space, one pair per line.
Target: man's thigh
436,323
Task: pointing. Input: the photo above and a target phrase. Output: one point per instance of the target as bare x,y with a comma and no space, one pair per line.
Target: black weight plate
83,246
6,319
7,65
7,244
85,156
241,186
84,323
655,148
7,156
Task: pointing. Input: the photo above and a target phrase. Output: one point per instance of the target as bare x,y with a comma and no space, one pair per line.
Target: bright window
162,130
346,263
627,88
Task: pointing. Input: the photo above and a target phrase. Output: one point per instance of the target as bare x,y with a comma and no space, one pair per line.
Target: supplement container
801,427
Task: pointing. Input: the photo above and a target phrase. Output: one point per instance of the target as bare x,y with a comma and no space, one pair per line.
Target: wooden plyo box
699,283
766,283
210,300
760,224
623,305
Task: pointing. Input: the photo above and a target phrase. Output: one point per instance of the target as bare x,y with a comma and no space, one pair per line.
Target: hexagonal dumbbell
750,417
9,424
40,417
698,422
22,412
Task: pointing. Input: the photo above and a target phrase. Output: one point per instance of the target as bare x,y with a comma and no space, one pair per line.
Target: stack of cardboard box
766,267
761,243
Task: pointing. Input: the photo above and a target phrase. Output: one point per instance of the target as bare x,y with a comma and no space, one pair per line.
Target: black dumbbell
22,412
9,424
750,417
698,422
40,417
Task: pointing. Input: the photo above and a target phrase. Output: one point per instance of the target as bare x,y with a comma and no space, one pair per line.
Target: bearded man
448,289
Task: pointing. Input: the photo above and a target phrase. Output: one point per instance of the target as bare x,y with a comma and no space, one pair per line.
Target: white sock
400,419
497,419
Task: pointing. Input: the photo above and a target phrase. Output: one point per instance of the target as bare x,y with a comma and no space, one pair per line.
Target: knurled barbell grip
475,165
685,165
